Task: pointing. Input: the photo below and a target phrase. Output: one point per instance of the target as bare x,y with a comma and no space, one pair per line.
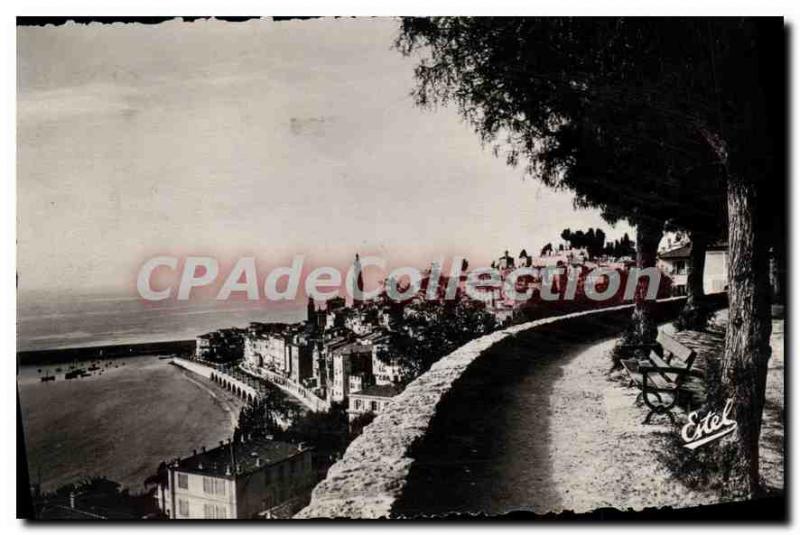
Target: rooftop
265,328
680,252
249,456
352,348
685,250
379,391
227,332
377,335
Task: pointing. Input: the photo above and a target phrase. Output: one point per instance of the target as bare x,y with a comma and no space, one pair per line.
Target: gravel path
524,430
538,424
604,457
602,454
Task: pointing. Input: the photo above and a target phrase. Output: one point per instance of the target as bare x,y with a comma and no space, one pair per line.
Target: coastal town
404,267
347,353
348,357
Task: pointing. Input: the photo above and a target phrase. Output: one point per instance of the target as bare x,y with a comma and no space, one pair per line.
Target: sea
119,424
52,320
134,412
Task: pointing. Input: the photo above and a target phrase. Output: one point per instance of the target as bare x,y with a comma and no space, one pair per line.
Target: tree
624,112
598,243
747,129
159,481
327,432
98,496
575,118
704,221
626,246
592,240
433,330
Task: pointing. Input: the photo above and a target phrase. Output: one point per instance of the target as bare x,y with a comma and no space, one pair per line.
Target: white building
372,399
675,263
352,360
384,370
249,479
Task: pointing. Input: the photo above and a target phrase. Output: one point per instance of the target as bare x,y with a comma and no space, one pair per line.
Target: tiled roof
684,251
680,252
219,461
382,391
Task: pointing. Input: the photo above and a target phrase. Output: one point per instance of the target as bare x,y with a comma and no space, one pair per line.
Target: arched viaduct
236,386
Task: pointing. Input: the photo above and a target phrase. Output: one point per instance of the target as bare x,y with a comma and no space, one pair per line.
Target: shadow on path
488,448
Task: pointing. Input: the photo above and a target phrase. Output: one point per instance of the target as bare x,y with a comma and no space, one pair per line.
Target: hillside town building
223,345
675,261
371,400
343,354
247,479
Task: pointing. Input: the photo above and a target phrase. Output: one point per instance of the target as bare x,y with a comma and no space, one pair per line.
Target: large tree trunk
643,326
696,268
695,312
747,350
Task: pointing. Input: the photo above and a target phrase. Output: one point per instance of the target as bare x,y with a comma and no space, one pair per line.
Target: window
373,405
214,486
183,481
211,510
183,507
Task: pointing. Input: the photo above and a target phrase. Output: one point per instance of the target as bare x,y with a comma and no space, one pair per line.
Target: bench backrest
661,363
672,348
677,354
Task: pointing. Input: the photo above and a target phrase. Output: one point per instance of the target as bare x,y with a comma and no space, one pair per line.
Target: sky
260,138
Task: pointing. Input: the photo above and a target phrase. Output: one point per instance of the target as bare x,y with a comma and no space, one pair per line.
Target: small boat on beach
74,374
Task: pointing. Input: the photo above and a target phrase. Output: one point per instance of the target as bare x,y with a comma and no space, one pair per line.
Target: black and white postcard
401,267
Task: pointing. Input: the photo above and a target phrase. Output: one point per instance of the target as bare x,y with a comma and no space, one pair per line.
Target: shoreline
215,410
230,406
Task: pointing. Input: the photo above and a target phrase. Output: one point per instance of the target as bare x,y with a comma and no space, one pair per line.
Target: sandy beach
120,424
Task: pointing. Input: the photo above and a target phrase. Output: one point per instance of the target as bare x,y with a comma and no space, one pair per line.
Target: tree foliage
588,105
430,330
663,122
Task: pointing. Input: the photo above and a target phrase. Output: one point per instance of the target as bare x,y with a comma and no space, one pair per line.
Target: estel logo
710,428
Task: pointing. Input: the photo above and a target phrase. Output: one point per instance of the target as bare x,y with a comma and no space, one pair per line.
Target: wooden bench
661,375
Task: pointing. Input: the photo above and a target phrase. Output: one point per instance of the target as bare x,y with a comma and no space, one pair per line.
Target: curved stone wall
370,476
